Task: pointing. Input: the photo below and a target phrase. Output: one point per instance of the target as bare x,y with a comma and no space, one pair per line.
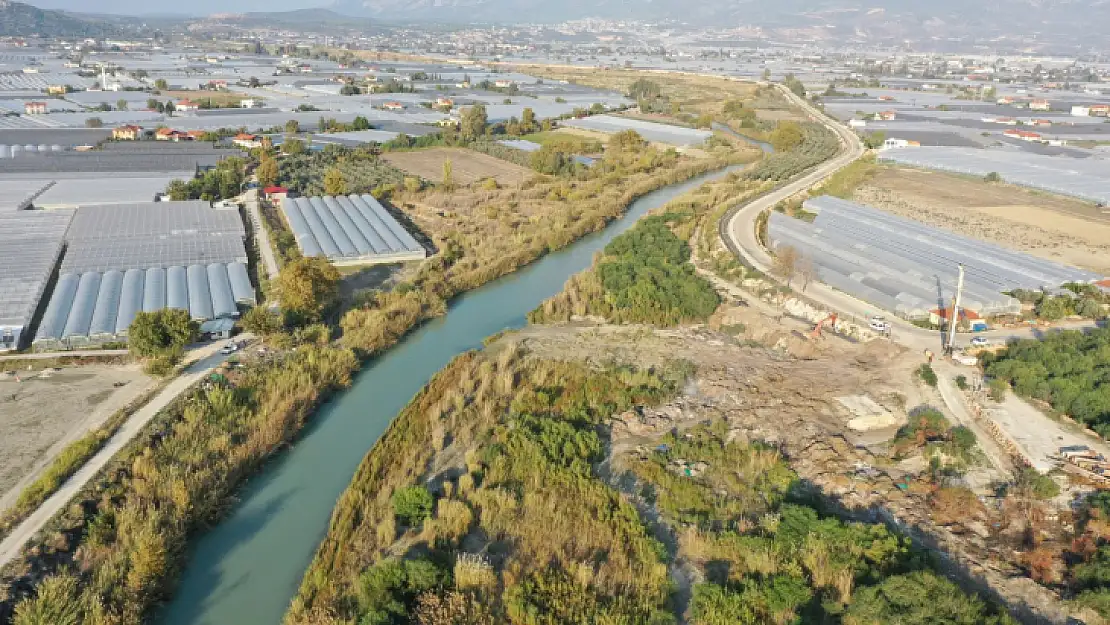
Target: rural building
1100,110
900,143
56,90
1005,100
1024,135
1040,105
196,135
169,134
127,133
503,84
250,103
1080,111
349,230
940,317
1040,122
217,85
35,108
393,106
444,102
886,115
857,123
886,98
186,106
247,141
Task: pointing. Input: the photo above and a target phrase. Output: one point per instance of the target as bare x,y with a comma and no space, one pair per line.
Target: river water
248,568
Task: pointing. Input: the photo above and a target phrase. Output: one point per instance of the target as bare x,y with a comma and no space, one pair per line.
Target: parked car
879,324
230,348
979,341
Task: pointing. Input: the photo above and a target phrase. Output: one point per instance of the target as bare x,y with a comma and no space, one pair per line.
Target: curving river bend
246,570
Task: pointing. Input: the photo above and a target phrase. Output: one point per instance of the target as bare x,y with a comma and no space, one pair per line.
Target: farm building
30,244
351,230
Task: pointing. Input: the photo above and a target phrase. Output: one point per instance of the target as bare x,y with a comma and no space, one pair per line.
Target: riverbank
160,494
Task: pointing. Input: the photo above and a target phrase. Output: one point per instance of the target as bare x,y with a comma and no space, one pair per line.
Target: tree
94,122
178,190
334,183
787,136
253,83
161,84
292,126
412,505
447,169
170,108
807,270
57,601
473,122
528,119
307,286
349,89
154,333
152,104
360,123
293,147
261,321
767,74
626,141
992,177
267,171
786,263
121,104
644,89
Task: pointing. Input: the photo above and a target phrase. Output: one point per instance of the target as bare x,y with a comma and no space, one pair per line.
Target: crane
829,321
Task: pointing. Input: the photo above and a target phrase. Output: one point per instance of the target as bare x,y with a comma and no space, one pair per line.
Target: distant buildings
250,103
247,141
35,108
900,143
127,133
1040,105
857,123
393,106
886,115
1080,111
1024,135
186,106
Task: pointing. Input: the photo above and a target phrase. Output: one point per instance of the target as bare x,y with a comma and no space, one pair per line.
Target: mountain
23,20
883,18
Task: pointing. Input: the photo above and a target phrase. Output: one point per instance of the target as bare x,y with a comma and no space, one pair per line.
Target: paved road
265,248
207,359
739,233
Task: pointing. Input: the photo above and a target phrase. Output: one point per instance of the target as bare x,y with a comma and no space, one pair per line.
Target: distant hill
299,18
23,20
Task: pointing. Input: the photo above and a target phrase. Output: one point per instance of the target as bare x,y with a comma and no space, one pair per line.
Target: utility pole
953,321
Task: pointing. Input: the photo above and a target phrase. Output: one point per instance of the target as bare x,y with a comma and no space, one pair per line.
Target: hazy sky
192,7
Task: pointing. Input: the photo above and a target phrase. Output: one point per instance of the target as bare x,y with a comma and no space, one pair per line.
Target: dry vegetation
467,166
1052,227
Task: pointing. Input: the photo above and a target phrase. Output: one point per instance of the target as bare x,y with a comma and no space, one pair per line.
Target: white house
899,143
857,123
1080,111
250,103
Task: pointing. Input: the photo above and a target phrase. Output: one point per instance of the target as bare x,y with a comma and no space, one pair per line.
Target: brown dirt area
466,166
1052,227
39,415
787,395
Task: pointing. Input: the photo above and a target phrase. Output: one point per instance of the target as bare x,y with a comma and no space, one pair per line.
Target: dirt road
208,358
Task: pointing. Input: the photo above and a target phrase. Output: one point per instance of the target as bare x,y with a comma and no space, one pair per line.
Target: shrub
927,375
961,382
412,505
997,389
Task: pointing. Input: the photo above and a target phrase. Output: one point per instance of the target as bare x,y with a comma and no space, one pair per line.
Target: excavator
829,321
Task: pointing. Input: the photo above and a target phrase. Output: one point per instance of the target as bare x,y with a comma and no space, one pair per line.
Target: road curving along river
246,570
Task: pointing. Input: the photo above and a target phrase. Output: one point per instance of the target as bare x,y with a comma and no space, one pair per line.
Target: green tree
154,333
992,177
56,602
307,286
528,119
293,147
334,183
267,171
161,84
412,505
448,169
919,598
472,124
121,104
786,136
94,122
360,123
261,321
644,89
152,104
170,108
292,126
177,190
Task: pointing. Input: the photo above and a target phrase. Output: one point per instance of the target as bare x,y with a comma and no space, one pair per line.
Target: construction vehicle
829,321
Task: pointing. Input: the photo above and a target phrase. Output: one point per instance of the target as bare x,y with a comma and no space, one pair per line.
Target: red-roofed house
196,135
940,317
1040,105
169,134
186,106
393,106
277,192
886,115
444,102
247,141
1021,134
1099,110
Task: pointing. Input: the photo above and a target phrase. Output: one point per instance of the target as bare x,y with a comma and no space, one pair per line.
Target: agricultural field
1052,227
218,99
362,172
466,166
570,140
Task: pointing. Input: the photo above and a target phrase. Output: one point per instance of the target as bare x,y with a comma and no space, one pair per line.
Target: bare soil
1051,227
41,413
466,166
